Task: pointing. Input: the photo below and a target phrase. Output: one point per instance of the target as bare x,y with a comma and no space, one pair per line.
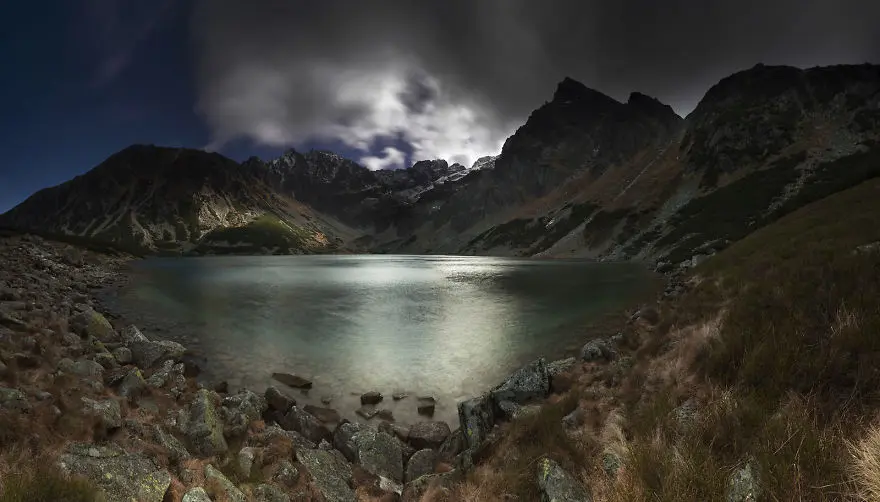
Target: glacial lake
447,326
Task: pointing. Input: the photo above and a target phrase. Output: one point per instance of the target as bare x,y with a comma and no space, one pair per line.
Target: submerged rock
326,415
294,381
119,475
278,401
371,398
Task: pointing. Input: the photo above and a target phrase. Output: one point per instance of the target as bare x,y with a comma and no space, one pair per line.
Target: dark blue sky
84,79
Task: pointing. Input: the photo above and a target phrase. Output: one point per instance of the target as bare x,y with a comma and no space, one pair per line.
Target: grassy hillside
266,231
763,378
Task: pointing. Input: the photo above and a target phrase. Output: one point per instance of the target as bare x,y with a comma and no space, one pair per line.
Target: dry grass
865,463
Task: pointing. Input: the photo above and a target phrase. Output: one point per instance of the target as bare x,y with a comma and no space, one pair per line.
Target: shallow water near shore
446,326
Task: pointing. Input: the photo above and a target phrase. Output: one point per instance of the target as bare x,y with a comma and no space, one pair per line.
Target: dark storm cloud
454,78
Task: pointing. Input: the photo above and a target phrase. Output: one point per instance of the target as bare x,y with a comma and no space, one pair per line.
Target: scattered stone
83,368
248,403
422,462
269,493
106,360
367,412
426,406
13,399
220,487
743,485
278,401
90,323
107,411
273,433
325,415
556,485
371,398
329,477
176,450
204,427
197,494
294,381
379,453
244,462
150,354
476,416
343,439
386,415
428,434
325,400
297,419
397,396
132,385
286,474
119,475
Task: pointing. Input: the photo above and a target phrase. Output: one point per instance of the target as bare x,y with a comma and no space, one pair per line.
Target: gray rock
119,475
150,354
685,415
13,399
611,463
244,461
453,445
422,462
367,412
204,427
176,450
82,367
428,434
286,473
294,381
526,384
269,493
248,403
278,401
220,487
122,355
426,406
561,366
371,398
328,475
343,439
574,419
132,334
298,420
597,350
106,360
325,415
379,453
743,485
197,494
324,445
107,411
90,323
132,385
556,485
274,433
476,416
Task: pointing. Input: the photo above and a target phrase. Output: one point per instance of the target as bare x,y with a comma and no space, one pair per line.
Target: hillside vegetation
761,382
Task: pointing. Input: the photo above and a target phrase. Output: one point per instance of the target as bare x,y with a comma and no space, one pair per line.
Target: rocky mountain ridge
586,176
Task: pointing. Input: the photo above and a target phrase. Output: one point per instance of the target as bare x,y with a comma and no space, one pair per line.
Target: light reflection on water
440,325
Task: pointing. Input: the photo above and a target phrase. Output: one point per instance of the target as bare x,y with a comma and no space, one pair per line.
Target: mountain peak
570,90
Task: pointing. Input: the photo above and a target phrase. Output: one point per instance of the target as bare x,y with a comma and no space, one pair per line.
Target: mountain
585,176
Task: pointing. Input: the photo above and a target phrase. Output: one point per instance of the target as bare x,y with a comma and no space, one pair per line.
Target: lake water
445,326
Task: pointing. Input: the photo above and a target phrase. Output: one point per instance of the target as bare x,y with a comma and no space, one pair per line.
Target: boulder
426,406
298,420
379,453
176,450
197,494
108,412
422,462
743,485
598,350
13,399
453,445
132,384
561,366
327,474
269,493
273,433
286,474
557,485
119,475
428,434
343,439
106,360
244,461
83,367
367,412
526,384
168,374
90,323
371,398
248,403
219,487
278,401
294,381
476,416
150,354
204,426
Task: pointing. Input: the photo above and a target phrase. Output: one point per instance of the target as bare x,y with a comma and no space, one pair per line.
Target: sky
384,82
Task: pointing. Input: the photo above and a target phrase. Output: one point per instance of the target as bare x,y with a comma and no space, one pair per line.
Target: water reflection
447,326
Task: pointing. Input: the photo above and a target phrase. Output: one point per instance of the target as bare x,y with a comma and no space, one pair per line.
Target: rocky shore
127,413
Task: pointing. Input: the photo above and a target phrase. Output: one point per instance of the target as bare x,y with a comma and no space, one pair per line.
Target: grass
46,485
266,231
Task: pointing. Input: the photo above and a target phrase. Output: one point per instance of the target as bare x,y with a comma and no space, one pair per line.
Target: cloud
453,79
391,158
